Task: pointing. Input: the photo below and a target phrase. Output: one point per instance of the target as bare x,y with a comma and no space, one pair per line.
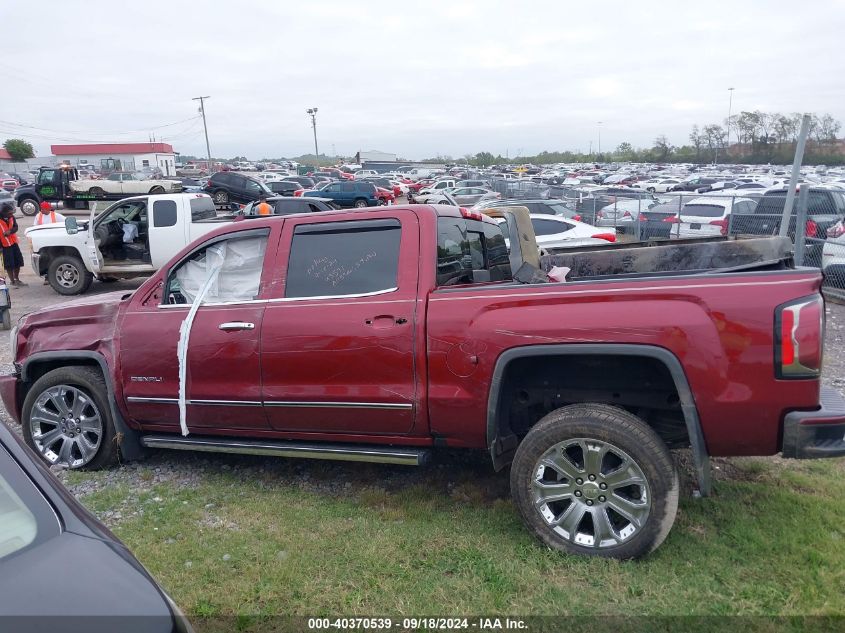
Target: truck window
164,213
343,258
202,209
46,176
467,245
233,267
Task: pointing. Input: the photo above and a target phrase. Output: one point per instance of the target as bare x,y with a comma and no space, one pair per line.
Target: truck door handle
230,326
385,321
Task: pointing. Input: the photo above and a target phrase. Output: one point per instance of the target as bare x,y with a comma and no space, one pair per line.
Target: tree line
755,137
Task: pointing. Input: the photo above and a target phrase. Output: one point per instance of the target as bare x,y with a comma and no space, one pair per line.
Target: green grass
447,540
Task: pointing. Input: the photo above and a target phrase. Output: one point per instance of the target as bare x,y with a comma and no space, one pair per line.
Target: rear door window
164,213
343,258
550,227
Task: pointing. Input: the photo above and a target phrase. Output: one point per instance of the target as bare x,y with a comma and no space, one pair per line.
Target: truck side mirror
71,226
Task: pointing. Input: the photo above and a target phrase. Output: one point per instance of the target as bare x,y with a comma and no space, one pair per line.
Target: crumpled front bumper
815,434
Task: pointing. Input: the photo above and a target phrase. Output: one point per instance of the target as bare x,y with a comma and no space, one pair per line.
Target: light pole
313,113
205,127
599,137
730,105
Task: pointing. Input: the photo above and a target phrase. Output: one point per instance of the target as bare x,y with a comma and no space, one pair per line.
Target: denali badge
145,378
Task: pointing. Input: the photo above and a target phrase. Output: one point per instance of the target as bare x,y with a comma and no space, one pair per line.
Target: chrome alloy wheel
66,426
590,492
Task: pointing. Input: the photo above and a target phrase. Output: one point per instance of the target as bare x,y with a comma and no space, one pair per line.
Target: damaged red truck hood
83,324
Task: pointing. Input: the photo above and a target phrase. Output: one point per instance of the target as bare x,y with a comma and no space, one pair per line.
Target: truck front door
339,340
223,371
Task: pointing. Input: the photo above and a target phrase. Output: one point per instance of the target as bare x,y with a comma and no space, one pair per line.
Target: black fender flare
499,449
130,439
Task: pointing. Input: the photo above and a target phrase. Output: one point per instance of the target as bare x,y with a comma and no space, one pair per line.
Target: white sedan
554,231
656,185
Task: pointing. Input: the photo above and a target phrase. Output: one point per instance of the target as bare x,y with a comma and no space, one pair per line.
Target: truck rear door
339,342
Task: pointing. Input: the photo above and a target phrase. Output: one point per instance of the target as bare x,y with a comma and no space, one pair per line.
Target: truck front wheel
28,206
67,420
68,275
595,480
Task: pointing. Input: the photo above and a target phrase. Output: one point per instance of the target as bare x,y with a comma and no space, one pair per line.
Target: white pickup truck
132,238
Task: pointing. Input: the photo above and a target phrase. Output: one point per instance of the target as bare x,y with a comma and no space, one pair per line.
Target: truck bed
672,257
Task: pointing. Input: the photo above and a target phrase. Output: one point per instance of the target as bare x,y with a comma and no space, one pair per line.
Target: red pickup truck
383,334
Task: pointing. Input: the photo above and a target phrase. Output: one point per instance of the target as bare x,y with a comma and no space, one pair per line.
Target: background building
374,156
119,156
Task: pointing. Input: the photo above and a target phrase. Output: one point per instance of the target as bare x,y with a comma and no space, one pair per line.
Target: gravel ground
452,470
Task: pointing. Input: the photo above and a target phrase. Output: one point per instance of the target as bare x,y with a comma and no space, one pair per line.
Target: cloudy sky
417,79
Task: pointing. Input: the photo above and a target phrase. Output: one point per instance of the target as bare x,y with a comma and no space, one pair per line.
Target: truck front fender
502,447
130,439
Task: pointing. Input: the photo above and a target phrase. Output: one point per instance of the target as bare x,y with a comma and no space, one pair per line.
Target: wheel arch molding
130,439
503,445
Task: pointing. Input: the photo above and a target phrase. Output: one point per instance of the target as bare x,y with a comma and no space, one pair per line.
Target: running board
343,452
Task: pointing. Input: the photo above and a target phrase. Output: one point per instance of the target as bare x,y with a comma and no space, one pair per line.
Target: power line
144,129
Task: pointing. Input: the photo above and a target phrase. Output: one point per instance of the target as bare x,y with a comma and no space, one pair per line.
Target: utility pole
599,137
205,127
730,104
313,113
796,172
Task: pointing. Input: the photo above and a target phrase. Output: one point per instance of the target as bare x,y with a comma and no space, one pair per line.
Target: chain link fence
816,225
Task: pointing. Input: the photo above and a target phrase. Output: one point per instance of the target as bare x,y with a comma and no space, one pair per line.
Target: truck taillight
810,228
799,332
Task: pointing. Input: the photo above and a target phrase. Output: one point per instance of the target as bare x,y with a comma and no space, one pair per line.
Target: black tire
158,189
221,197
109,280
28,206
6,319
650,189
360,203
627,434
97,192
90,382
68,276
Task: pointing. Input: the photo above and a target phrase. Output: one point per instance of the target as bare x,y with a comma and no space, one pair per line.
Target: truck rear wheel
68,275
28,206
595,480
67,420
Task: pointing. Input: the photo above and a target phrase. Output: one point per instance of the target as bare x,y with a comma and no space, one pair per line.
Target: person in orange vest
12,256
47,215
263,207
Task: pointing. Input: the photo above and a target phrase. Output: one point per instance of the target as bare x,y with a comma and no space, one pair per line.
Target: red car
385,196
387,333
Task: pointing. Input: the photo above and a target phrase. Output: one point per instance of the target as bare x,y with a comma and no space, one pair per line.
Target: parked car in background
468,196
8,184
365,173
290,205
825,208
473,183
536,206
193,171
285,187
657,185
559,232
693,184
47,538
702,217
623,213
385,196
229,186
305,181
657,221
348,194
